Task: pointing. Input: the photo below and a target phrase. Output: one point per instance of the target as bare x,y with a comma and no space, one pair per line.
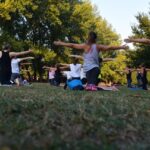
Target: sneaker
88,87
93,88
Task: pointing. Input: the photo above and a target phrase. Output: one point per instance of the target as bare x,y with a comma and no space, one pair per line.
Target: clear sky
121,13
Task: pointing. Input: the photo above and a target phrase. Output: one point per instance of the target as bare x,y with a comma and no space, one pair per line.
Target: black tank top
5,68
58,75
129,75
144,76
139,75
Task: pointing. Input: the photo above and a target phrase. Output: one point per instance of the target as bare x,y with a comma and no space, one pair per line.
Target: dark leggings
92,76
144,84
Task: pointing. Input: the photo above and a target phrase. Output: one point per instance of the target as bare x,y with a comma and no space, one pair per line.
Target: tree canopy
38,23
141,55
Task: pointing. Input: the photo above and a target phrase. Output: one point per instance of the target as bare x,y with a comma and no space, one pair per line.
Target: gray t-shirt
91,58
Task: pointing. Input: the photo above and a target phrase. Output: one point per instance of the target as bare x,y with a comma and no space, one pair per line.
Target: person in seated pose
51,74
56,74
91,57
74,82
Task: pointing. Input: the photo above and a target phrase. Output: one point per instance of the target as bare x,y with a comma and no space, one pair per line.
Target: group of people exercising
91,63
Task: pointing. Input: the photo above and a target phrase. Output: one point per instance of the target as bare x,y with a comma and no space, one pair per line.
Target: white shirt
75,70
15,65
82,75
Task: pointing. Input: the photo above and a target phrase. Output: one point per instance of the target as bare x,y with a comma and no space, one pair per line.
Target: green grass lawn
44,117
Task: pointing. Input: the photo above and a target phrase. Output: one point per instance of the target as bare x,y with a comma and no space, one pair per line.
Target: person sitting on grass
91,57
74,73
15,76
51,74
57,74
5,63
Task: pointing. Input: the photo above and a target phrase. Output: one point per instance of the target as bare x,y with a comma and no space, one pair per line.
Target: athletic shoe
88,87
93,88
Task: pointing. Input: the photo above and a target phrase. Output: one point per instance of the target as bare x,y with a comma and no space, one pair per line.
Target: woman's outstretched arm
143,40
109,48
70,45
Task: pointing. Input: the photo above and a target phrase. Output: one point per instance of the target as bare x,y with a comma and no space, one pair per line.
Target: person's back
15,76
139,78
75,70
91,58
144,78
15,65
128,74
5,67
57,76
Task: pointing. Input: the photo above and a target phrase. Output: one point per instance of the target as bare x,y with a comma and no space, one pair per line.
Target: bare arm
26,64
108,59
64,65
12,54
144,41
109,48
45,67
26,58
70,45
77,56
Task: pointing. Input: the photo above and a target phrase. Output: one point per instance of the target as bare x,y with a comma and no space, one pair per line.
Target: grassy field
49,118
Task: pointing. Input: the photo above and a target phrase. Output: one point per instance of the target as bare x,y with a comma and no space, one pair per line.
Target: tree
112,71
38,23
141,54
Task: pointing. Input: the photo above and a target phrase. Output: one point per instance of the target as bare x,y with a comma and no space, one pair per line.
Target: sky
121,13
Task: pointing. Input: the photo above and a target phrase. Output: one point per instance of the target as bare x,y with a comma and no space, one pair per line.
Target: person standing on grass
128,72
144,77
91,57
143,69
15,69
139,77
5,63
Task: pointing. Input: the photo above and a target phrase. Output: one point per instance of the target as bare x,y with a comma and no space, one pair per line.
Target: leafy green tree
38,23
113,71
141,55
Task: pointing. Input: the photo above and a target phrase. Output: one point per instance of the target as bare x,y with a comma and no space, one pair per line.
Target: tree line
38,23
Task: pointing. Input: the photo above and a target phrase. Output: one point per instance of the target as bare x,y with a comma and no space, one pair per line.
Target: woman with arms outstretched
91,57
